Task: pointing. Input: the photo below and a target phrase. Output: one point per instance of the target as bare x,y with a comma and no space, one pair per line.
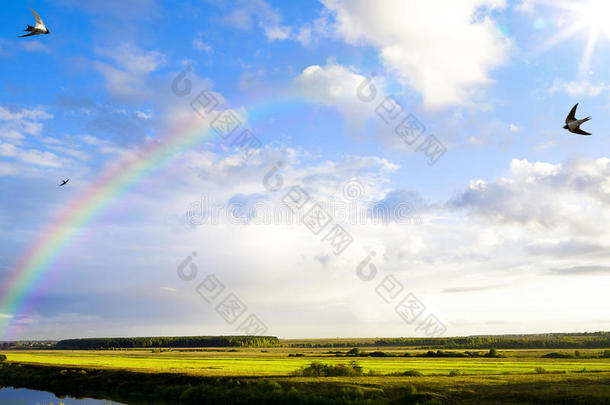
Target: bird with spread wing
38,29
573,124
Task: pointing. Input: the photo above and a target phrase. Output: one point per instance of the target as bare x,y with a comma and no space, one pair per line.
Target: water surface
23,396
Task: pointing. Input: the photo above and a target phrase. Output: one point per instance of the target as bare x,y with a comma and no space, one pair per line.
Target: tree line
593,340
167,341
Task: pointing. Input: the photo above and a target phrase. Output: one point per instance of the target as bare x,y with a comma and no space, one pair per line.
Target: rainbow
56,236
19,288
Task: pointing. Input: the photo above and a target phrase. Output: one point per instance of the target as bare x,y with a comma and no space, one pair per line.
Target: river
22,396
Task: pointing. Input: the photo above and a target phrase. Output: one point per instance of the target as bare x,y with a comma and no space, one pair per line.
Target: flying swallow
63,183
39,28
573,124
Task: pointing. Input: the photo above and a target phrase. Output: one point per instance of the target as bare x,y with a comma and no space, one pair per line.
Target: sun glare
591,17
595,14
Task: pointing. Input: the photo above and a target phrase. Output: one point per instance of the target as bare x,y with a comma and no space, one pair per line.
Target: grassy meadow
277,362
271,375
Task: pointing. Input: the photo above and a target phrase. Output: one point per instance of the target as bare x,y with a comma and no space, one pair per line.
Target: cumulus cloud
336,85
443,50
544,194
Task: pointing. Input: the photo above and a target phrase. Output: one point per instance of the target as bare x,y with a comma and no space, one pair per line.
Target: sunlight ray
587,55
562,36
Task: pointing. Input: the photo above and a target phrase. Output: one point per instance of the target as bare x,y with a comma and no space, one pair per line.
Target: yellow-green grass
277,363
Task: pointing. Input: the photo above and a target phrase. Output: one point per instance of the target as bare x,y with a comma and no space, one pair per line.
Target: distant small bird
573,124
38,29
63,183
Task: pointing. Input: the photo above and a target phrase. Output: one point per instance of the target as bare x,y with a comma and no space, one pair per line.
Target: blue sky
506,232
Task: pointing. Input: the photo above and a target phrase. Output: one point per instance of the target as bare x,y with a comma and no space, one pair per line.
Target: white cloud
330,84
444,50
257,262
143,115
513,128
127,77
574,195
579,88
473,140
33,156
199,45
277,32
246,12
320,27
16,123
66,151
336,85
131,58
526,6
459,251
35,46
24,113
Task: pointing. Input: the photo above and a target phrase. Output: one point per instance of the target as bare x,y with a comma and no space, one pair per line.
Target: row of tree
167,341
595,340
550,341
27,344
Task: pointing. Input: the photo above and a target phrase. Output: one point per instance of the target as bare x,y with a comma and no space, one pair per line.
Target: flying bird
63,183
573,124
38,29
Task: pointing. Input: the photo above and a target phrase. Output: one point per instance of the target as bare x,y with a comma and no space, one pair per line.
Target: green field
275,362
266,376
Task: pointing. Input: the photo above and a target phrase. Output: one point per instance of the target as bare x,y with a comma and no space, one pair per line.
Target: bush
379,354
493,353
606,354
440,353
317,369
2,357
556,355
354,352
454,373
412,373
540,370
